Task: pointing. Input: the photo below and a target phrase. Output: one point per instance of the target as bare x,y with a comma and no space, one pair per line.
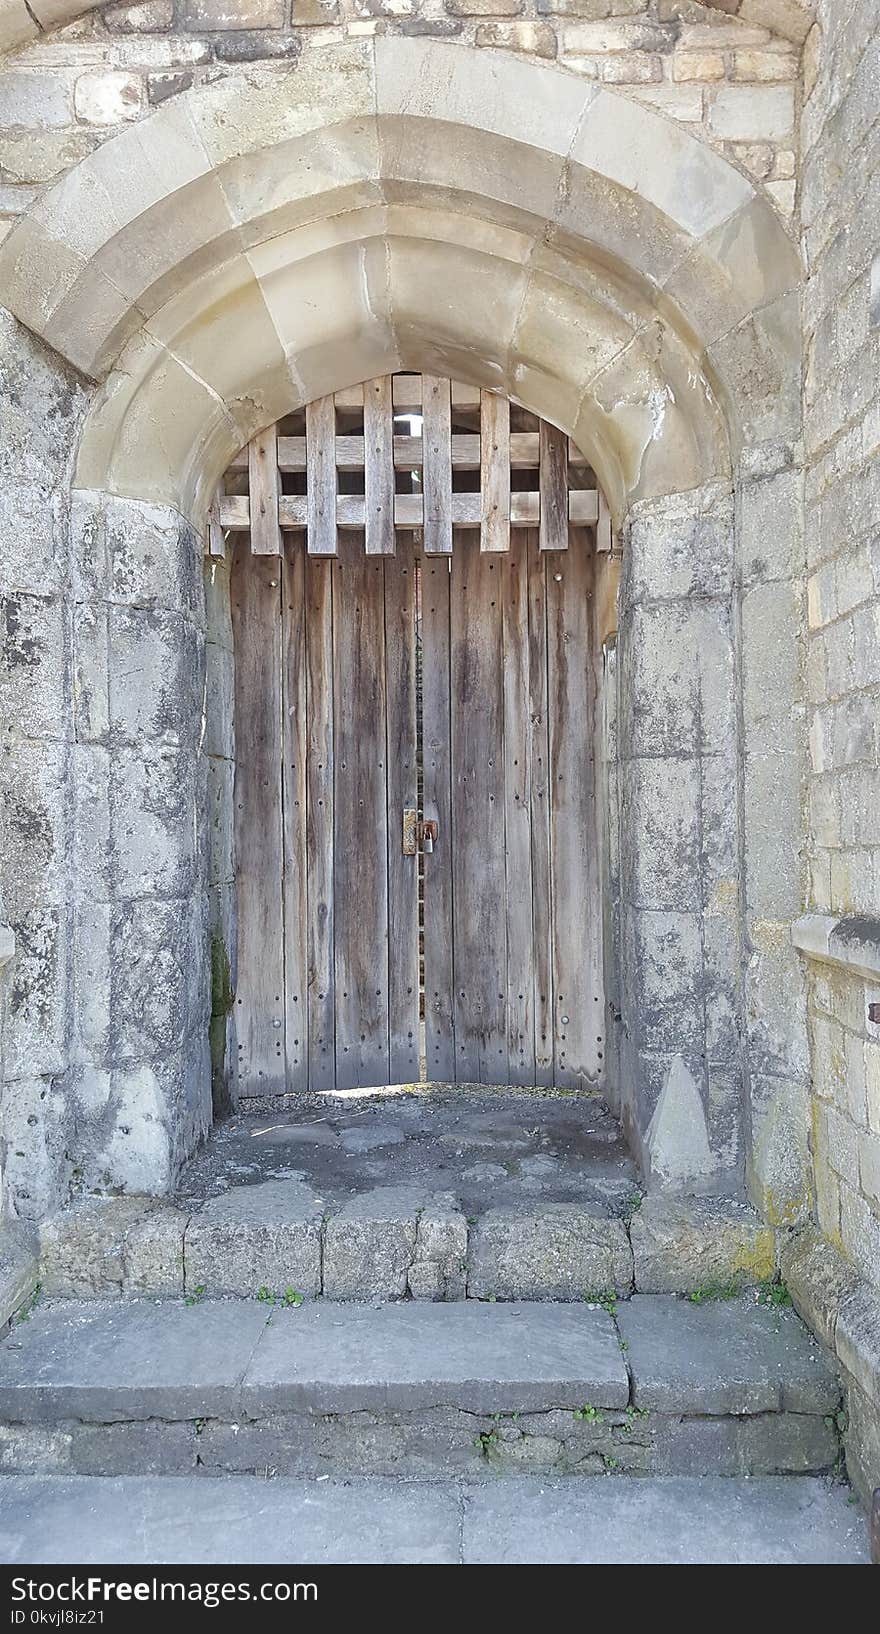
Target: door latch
418,833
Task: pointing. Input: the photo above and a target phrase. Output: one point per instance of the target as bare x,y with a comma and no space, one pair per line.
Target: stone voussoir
683,1244
558,1252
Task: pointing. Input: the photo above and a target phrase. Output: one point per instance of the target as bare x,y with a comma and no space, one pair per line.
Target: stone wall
841,237
733,81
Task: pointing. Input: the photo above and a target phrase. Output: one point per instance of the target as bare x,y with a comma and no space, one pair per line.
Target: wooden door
512,976
445,672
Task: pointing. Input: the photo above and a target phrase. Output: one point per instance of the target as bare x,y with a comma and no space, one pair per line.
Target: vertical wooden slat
319,818
578,1004
215,541
437,768
494,471
542,922
603,527
517,815
264,485
479,913
379,467
360,869
321,476
553,488
294,756
259,1000
437,465
402,783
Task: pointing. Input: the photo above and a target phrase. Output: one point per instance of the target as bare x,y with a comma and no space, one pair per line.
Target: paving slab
681,1521
483,1357
144,1520
724,1356
776,1521
107,1361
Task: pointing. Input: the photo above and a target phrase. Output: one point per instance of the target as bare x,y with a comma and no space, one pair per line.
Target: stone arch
410,203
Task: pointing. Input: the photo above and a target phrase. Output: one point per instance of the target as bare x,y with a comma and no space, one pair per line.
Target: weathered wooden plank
494,471
294,756
437,772
402,782
379,467
518,814
578,1006
259,996
264,484
360,869
321,476
215,543
409,510
320,823
436,466
553,483
479,914
542,922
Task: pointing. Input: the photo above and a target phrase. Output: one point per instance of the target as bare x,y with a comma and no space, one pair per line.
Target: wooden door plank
321,476
553,484
215,542
294,756
578,1007
402,783
494,471
259,997
360,871
379,467
542,923
518,815
437,465
319,823
479,914
264,485
437,772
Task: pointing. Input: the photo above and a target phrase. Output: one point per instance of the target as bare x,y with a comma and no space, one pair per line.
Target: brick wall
735,82
841,237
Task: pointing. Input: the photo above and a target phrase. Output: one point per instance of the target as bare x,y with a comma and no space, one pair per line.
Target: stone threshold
276,1238
655,1385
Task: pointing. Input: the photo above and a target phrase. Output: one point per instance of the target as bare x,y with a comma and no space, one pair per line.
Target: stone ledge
852,944
844,1311
683,1244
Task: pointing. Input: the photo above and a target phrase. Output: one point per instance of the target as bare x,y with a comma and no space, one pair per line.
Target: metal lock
428,834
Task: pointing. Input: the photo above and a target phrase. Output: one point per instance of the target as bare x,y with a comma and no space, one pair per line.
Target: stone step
150,1520
657,1384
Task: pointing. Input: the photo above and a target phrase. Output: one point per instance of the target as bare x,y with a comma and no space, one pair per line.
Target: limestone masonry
654,224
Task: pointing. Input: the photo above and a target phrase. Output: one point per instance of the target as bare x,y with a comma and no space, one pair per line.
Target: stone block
660,833
40,100
681,1244
109,98
82,1248
723,1356
439,1266
154,804
560,1252
156,677
211,16
369,1245
266,1236
677,679
752,113
152,1253
857,1338
19,1268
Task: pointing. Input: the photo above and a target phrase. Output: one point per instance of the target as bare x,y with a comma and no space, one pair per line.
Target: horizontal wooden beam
525,510
408,453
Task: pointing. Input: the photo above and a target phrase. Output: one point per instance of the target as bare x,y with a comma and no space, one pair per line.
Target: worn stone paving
773,1521
490,1147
